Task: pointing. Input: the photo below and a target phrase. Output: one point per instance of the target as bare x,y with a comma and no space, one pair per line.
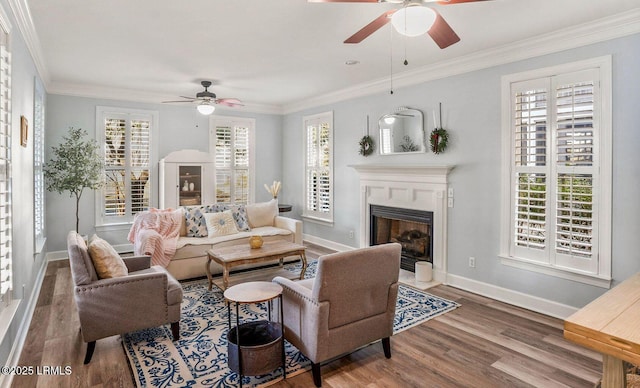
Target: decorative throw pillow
194,219
220,224
106,260
240,216
262,214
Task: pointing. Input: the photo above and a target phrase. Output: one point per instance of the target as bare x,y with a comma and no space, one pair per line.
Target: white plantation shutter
126,140
319,166
232,149
38,164
576,148
530,169
556,205
6,247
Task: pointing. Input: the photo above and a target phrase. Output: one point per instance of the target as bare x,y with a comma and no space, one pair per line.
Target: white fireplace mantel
419,187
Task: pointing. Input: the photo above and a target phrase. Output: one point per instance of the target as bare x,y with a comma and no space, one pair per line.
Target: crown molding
616,26
103,92
22,14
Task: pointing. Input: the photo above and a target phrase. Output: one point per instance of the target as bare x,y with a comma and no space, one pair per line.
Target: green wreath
366,145
438,139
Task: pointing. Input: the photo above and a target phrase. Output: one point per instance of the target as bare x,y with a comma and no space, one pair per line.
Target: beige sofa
191,254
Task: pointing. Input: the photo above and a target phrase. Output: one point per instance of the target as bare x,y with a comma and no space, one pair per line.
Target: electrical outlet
450,192
472,262
351,234
450,202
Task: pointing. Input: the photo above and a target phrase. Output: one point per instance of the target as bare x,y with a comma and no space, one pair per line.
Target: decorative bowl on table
255,242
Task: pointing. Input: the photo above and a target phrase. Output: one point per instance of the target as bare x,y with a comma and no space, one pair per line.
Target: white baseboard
516,298
16,349
61,255
327,243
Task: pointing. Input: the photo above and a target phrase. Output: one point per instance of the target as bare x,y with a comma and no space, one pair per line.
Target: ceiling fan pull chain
391,59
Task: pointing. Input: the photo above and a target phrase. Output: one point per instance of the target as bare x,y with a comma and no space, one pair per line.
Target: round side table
255,348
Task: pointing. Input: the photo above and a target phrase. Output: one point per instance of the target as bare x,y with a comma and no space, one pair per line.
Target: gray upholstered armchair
349,304
147,297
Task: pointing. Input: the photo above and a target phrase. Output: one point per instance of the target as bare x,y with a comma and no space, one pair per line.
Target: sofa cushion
262,214
220,224
196,225
106,260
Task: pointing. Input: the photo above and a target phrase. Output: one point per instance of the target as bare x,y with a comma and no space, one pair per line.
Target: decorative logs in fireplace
414,242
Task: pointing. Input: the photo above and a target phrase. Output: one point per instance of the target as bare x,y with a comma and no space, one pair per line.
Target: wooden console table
611,326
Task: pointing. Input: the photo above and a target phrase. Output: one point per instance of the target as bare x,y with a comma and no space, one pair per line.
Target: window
231,141
38,162
125,136
6,220
559,164
318,180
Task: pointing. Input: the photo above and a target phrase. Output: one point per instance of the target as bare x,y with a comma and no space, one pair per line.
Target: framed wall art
24,131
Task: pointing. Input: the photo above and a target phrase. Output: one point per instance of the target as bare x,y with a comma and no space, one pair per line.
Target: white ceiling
269,53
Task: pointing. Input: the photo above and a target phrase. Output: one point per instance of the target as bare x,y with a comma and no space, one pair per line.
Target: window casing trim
603,276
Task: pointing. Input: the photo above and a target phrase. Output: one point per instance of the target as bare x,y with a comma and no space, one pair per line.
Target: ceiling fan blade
192,100
188,98
449,2
370,28
229,102
442,33
344,1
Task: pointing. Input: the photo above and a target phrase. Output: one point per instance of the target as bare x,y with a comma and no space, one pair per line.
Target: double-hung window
557,156
231,140
125,136
318,179
6,220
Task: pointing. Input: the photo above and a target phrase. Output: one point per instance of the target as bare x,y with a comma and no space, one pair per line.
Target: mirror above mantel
402,132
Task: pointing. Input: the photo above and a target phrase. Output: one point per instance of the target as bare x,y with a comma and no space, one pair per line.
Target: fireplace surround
413,187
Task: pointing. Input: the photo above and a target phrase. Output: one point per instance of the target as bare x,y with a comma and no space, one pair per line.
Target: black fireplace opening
413,229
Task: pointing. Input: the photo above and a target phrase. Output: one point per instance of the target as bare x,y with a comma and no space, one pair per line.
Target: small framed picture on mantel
24,131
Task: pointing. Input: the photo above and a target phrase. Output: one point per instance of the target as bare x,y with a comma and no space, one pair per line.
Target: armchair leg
91,346
317,378
175,330
386,345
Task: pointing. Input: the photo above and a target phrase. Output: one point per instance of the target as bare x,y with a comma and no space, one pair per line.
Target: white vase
191,186
424,271
186,186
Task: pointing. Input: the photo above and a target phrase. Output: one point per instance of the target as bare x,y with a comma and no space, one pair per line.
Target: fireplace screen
410,228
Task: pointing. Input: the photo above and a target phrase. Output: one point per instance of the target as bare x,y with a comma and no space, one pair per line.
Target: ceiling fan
412,19
207,100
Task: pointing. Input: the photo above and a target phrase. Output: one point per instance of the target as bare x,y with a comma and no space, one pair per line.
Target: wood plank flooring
483,343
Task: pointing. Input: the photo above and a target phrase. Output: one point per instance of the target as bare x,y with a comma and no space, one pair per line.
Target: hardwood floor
483,343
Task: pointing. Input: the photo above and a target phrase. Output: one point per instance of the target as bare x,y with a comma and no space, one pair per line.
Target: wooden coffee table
233,256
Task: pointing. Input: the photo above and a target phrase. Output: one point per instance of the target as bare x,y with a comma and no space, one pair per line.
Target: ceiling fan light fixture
206,108
413,20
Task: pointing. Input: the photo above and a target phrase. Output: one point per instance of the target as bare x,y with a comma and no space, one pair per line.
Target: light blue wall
26,262
180,127
472,114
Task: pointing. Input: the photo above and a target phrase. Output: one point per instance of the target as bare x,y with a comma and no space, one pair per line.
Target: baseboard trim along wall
327,243
516,298
16,349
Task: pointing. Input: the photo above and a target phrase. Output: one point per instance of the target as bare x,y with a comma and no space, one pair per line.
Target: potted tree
76,165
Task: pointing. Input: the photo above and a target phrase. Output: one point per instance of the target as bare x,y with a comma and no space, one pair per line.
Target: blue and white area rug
199,358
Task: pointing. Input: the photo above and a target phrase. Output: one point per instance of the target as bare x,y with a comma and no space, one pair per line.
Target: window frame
315,120
102,112
601,276
233,122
